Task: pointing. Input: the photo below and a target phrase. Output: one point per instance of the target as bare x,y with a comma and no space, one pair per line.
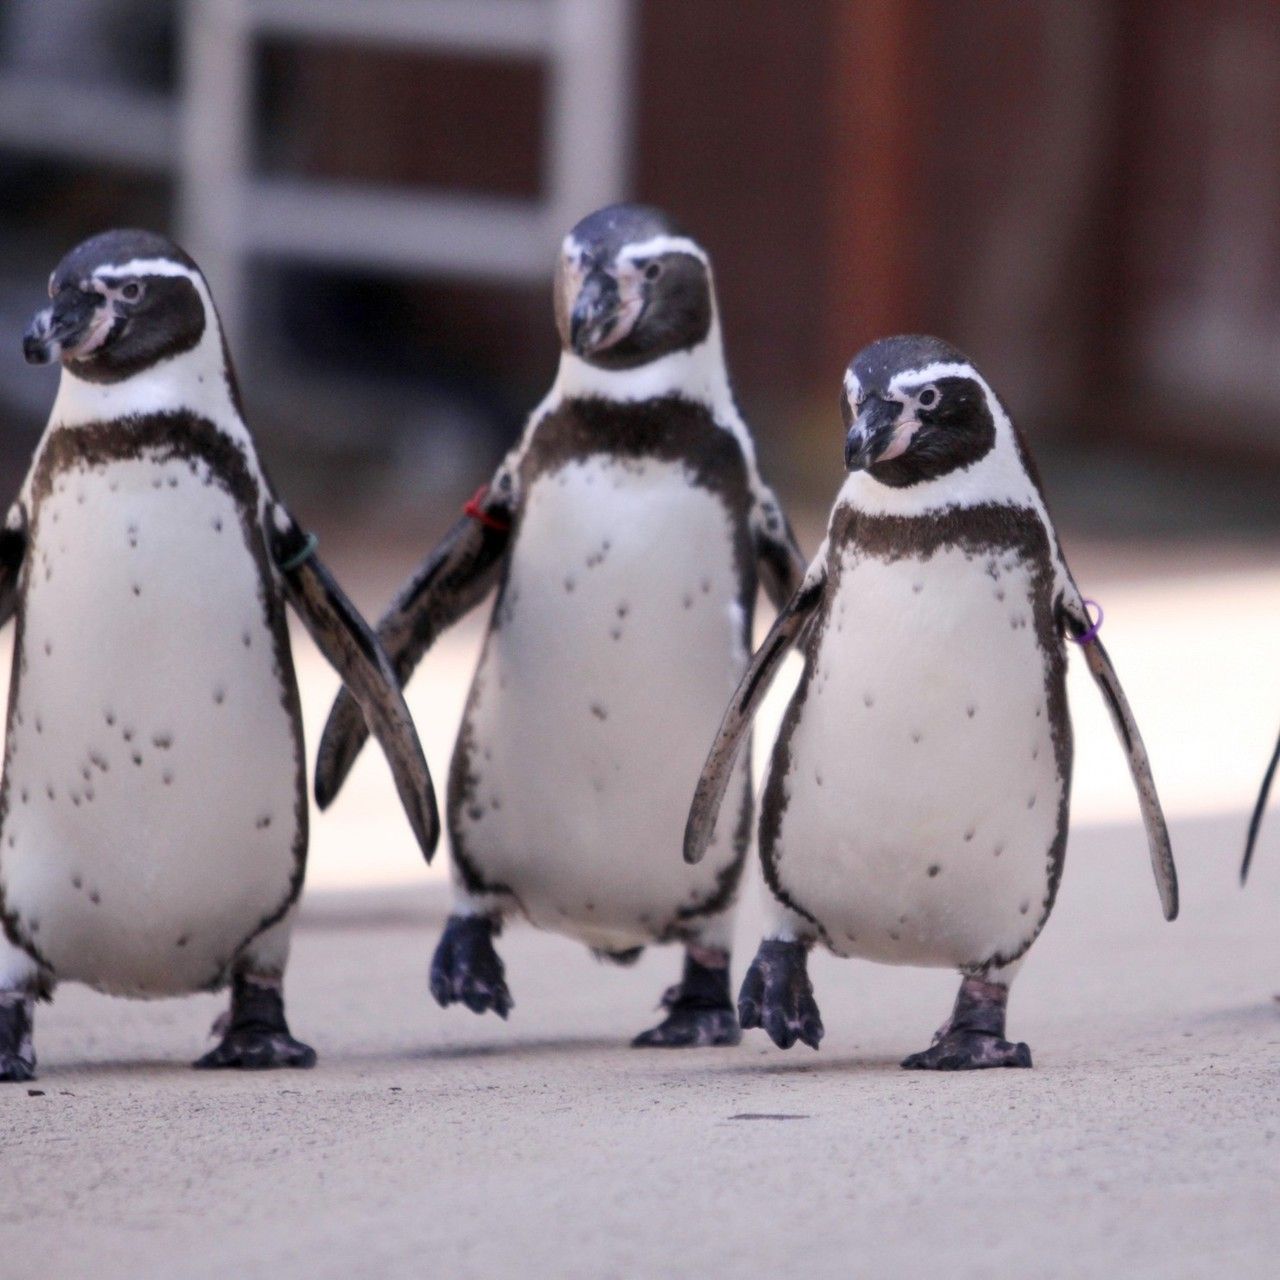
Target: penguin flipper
450,582
780,565
1259,808
13,550
349,644
787,629
1077,621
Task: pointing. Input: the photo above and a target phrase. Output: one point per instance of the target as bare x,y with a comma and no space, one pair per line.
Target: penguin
153,809
916,805
626,533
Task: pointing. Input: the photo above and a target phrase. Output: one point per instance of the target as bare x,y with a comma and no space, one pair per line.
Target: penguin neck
697,373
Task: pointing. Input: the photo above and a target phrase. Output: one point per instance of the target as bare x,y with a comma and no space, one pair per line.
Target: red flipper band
476,511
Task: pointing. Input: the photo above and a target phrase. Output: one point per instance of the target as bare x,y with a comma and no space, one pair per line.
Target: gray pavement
1146,1141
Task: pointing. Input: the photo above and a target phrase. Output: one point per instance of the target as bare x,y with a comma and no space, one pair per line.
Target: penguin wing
13,551
1259,808
349,644
450,582
1076,620
787,629
781,566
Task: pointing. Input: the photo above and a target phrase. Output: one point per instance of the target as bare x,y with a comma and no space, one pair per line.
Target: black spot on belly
263,822
219,695
599,712
971,711
688,602
934,869
137,590
127,734
868,700
48,649
968,835
98,762
77,882
167,777
217,524
137,757
95,897
916,735
895,936
998,850
1024,908
615,633
110,717
569,584
1031,802
162,741
182,941
623,609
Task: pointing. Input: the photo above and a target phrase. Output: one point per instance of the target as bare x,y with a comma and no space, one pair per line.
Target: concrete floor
1145,1143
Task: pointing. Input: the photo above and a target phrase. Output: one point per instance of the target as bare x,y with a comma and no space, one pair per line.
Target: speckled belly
152,782
922,785
614,650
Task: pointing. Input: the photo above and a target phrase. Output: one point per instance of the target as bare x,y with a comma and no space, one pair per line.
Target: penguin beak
878,434
602,315
69,327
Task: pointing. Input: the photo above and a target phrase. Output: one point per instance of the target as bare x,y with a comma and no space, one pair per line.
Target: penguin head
914,409
631,288
121,302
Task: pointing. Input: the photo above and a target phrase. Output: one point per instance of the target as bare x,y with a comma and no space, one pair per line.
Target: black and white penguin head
122,302
915,409
631,288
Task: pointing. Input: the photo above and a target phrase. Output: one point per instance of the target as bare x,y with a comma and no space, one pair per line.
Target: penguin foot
699,1009
778,996
467,970
17,1053
689,1028
14,1069
969,1051
972,1039
256,1035
257,1050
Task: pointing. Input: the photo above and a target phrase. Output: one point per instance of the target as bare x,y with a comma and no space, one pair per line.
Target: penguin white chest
153,777
619,637
919,781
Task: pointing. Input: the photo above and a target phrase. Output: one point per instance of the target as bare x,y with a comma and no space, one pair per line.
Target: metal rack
228,214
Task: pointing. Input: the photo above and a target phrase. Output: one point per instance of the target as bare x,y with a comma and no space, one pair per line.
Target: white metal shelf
228,214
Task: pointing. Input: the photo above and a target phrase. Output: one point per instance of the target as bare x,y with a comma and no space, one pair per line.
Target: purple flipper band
1086,637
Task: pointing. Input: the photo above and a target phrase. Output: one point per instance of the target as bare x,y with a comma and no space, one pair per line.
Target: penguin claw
466,969
777,995
686,1028
969,1051
14,1068
257,1050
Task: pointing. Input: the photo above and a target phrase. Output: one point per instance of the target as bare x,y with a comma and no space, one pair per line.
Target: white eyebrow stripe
851,385
656,245
932,372
144,267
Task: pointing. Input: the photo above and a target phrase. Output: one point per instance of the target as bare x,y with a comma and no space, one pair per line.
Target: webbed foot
778,996
699,1009
256,1036
17,1052
467,970
973,1037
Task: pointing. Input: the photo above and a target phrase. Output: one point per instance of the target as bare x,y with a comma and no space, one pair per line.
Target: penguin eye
653,271
927,398
131,290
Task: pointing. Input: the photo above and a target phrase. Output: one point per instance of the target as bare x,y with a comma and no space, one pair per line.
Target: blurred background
1082,194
